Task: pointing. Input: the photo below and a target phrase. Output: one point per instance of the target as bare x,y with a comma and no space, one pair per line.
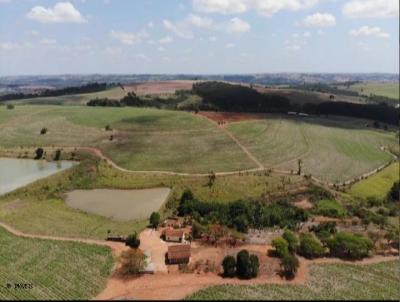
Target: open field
390,90
334,149
77,99
144,139
121,205
377,185
56,270
158,88
328,282
40,208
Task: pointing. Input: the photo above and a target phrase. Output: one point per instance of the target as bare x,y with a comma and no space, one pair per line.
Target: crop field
331,149
159,88
145,139
377,185
328,282
121,205
40,207
390,90
77,99
55,270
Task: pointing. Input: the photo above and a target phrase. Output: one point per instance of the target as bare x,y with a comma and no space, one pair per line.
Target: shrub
241,224
132,262
330,208
229,265
292,240
393,194
281,246
57,156
254,266
10,106
43,131
289,265
154,219
133,241
310,247
349,246
39,153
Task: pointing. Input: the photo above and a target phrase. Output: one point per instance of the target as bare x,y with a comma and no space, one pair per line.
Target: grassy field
77,99
328,282
331,149
40,207
390,90
145,139
56,270
377,185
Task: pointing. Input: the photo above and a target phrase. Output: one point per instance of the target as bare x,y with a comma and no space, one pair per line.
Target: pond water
17,173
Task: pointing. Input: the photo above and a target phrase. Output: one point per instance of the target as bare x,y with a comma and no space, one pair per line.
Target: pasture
332,149
115,93
327,282
144,139
378,185
121,205
56,270
390,90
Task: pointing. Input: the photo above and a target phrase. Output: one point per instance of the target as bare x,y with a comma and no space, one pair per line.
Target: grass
328,282
40,207
390,90
330,208
56,270
378,185
145,139
335,149
78,99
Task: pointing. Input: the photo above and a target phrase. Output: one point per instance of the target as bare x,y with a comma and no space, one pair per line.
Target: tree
292,240
39,153
289,265
243,264
229,265
211,179
10,106
393,194
254,266
310,247
281,246
299,164
108,128
155,219
57,156
43,131
241,223
133,241
132,262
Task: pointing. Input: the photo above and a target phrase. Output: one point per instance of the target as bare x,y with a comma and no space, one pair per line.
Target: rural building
303,114
173,222
178,254
292,113
174,235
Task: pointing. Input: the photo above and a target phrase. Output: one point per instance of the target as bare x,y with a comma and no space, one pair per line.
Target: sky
198,36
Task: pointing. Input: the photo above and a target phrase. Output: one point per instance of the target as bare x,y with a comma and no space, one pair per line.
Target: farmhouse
178,254
173,222
174,235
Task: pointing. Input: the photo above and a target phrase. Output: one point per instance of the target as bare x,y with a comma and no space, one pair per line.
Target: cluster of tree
285,248
379,99
379,112
88,88
245,266
104,102
133,241
133,262
242,214
228,97
349,246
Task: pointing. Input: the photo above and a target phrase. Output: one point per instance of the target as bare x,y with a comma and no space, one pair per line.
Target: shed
178,254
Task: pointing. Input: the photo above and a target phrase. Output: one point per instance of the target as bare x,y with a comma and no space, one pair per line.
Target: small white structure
303,114
292,113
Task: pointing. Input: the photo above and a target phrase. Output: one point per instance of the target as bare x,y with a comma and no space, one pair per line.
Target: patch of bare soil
304,204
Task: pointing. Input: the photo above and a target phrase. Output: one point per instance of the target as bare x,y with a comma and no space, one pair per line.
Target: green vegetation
328,282
133,241
331,149
378,185
349,246
154,219
330,208
229,266
132,262
246,265
310,247
56,270
390,90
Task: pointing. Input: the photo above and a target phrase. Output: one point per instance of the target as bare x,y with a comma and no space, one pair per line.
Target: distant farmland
390,90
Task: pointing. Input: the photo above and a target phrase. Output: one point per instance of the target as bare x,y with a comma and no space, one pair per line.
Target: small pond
17,173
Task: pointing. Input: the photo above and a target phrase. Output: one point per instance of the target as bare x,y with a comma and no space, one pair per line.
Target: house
292,113
172,222
173,235
179,254
303,114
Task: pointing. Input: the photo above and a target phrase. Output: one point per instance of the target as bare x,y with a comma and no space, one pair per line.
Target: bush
39,153
229,265
393,194
10,106
310,247
155,219
281,246
330,208
133,241
292,240
43,131
254,266
289,265
132,262
246,266
241,224
349,246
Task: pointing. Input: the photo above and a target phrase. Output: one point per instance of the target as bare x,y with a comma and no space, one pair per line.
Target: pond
17,173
